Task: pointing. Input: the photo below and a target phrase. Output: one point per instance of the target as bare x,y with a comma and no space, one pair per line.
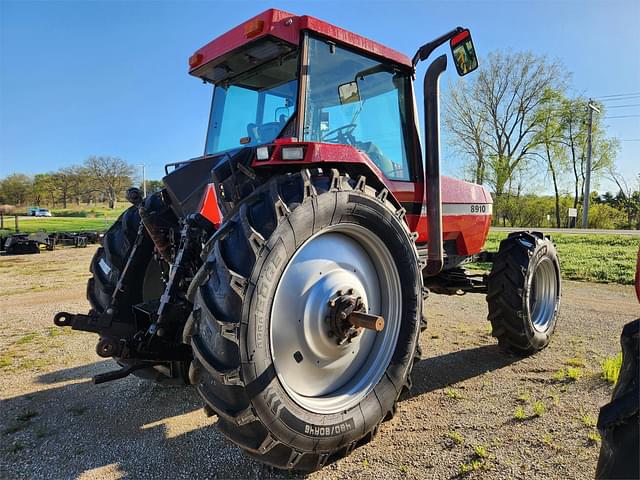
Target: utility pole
587,181
144,181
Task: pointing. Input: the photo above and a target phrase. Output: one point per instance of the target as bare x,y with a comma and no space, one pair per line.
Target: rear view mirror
464,55
348,93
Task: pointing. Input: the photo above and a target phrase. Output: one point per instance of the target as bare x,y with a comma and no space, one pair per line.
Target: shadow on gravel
439,372
129,429
76,373
132,428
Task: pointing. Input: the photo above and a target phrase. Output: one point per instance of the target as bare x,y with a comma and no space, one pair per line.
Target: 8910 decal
478,208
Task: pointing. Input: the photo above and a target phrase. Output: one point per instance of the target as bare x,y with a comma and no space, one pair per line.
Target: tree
109,175
16,189
575,120
468,128
64,180
627,199
43,189
153,186
549,141
494,120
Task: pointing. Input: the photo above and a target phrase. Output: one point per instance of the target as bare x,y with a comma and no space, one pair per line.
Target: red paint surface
209,208
469,231
288,27
459,37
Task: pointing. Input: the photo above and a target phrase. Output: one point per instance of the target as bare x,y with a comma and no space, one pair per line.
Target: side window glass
358,101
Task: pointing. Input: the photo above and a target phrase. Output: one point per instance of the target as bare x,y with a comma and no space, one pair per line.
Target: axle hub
348,318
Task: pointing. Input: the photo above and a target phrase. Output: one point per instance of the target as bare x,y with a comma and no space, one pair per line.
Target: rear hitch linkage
124,340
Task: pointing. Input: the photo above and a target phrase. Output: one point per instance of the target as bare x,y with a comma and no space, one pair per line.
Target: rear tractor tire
144,284
290,386
524,289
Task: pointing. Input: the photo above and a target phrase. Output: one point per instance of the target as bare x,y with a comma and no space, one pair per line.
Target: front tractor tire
290,383
524,289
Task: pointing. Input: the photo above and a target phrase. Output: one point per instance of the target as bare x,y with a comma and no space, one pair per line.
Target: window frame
410,129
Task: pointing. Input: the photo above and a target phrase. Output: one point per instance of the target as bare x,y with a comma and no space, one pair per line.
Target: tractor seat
265,132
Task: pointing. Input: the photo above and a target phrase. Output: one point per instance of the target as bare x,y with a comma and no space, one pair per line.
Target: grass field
97,211
592,258
56,224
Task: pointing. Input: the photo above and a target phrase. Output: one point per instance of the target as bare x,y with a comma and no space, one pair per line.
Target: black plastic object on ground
21,245
618,420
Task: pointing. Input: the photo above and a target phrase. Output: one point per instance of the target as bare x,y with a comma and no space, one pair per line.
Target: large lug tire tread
115,249
515,262
254,412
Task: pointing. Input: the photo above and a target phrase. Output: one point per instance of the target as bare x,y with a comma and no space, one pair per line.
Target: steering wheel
337,135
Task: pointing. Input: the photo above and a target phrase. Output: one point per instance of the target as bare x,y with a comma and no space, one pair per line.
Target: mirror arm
425,50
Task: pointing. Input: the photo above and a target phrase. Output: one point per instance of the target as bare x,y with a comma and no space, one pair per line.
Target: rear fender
346,158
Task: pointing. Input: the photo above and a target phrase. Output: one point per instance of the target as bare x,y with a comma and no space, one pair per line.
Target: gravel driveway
473,412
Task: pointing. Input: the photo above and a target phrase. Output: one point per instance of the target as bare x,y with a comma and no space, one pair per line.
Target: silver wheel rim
543,294
318,374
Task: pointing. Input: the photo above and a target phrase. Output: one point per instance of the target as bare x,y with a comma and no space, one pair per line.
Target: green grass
524,397
519,414
589,258
593,438
559,376
90,212
611,368
538,408
56,224
28,338
587,420
570,374
574,373
480,451
575,362
455,437
452,393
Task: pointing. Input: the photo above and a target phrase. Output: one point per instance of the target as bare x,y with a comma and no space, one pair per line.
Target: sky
110,78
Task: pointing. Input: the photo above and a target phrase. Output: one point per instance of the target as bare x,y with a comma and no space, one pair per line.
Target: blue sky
110,78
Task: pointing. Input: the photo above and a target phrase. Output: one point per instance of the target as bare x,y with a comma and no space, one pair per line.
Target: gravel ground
460,415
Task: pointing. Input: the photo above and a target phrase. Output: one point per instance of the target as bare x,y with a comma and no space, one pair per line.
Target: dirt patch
473,412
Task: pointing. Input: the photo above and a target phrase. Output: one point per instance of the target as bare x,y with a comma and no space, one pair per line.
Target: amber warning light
253,28
195,59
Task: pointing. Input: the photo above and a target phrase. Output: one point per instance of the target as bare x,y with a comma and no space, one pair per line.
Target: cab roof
288,27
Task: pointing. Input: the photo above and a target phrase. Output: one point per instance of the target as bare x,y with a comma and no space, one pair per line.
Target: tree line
99,179
520,131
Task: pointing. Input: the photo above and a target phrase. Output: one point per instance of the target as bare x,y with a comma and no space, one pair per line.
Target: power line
621,99
623,116
618,95
624,106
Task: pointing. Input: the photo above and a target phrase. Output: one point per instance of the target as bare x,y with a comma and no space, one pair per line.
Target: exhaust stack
435,257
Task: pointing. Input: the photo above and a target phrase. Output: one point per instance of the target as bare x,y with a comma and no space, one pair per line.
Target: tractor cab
315,90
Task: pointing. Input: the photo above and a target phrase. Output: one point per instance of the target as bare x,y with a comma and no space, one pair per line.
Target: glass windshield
253,107
354,100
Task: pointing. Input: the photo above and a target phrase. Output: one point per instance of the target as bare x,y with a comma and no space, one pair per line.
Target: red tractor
283,272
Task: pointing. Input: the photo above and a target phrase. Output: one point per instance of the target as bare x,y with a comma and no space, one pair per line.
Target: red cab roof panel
287,27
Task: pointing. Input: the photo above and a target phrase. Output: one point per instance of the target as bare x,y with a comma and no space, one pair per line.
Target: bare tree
494,119
467,128
109,175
